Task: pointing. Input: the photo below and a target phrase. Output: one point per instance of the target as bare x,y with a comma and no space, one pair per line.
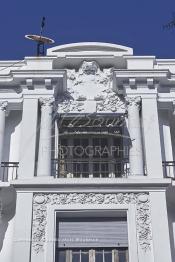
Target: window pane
99,256
62,256
85,169
75,256
118,169
96,169
85,143
76,169
85,256
108,256
118,152
104,169
122,255
104,142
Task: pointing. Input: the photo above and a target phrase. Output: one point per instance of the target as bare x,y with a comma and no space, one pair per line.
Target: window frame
91,160
99,214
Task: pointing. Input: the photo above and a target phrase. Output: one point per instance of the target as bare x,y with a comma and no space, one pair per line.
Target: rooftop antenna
40,39
171,24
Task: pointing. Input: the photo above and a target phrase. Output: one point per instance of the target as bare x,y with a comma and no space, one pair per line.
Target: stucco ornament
3,105
90,72
110,101
143,222
133,101
46,101
90,83
41,201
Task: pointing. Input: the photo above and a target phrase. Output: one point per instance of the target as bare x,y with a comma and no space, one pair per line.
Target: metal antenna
42,25
40,43
171,24
40,39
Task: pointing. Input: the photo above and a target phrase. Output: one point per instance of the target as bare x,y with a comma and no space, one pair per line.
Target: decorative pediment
84,48
90,90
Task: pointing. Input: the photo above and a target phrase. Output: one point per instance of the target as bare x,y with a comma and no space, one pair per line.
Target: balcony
82,168
9,171
69,168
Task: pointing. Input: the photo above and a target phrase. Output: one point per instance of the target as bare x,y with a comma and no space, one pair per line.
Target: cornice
104,183
15,75
53,73
142,73
139,57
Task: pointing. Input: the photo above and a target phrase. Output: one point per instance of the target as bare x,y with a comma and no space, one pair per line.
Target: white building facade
87,150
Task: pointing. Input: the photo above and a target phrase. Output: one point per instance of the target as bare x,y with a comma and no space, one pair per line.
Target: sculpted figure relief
90,83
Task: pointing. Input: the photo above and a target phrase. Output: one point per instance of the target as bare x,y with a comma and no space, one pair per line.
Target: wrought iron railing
65,168
9,171
168,168
80,168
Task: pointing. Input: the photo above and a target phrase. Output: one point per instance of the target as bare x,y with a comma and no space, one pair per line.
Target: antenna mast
40,39
40,43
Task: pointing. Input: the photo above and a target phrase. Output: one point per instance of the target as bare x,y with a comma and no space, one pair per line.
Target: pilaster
3,107
151,136
28,138
136,152
45,142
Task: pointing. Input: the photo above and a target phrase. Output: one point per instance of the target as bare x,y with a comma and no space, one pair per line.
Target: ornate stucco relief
90,83
46,101
3,105
40,202
133,101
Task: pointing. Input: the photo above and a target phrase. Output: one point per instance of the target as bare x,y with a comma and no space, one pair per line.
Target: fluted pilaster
44,155
136,152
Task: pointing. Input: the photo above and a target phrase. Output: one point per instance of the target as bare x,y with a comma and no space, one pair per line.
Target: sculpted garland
90,83
41,201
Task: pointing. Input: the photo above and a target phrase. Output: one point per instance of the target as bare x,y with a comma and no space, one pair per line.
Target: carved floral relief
41,201
90,83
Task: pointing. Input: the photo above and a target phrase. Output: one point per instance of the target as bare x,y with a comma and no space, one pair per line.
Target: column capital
173,108
46,101
3,105
133,101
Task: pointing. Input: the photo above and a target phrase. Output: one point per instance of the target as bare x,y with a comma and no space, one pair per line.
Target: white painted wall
8,198
12,137
166,143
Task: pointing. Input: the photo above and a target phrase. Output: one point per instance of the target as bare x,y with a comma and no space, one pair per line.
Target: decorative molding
70,106
143,222
48,83
3,105
46,101
88,84
39,224
40,202
110,101
29,83
133,101
90,68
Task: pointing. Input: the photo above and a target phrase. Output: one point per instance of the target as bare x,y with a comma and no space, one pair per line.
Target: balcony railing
84,169
79,168
9,171
168,168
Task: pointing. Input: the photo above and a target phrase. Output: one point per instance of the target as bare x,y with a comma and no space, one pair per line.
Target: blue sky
134,23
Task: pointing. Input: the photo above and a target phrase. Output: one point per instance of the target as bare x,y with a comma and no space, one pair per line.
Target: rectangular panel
92,232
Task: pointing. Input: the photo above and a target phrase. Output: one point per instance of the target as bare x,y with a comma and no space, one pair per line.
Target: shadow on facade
170,194
8,206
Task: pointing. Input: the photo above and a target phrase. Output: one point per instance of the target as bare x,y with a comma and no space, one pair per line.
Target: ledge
100,183
4,184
